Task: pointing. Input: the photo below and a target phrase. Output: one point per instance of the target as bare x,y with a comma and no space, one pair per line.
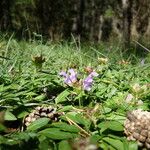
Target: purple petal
68,81
72,75
63,73
72,72
89,79
87,83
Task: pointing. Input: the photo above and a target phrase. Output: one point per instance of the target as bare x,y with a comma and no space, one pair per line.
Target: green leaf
64,145
38,124
112,125
115,143
62,97
79,119
66,108
95,138
22,114
133,146
40,97
129,145
82,120
66,127
56,134
9,116
106,146
106,110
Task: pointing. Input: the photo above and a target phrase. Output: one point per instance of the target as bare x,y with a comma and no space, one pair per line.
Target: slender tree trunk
5,18
127,17
101,20
74,28
81,14
92,20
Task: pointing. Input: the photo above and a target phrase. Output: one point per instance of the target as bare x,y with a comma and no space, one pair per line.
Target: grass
97,115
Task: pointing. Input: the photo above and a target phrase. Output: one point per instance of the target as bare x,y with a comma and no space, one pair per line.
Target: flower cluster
70,78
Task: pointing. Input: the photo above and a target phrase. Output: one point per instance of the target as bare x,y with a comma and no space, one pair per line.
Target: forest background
90,20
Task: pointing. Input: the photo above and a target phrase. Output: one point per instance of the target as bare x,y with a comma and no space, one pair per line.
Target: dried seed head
136,135
144,133
147,145
43,114
137,126
38,108
42,111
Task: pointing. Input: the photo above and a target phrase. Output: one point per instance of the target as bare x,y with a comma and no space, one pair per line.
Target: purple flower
63,74
87,83
70,77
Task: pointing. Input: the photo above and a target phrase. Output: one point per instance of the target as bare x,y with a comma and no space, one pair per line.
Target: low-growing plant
68,102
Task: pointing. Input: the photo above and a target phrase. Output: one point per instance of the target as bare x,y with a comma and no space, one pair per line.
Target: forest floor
69,96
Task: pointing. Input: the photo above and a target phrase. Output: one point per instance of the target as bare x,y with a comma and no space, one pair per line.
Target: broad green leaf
40,97
84,121
70,115
117,117
114,143
95,138
78,118
46,145
64,145
129,145
106,110
56,134
62,97
38,124
66,127
66,108
9,116
113,125
24,136
106,146
22,114
133,146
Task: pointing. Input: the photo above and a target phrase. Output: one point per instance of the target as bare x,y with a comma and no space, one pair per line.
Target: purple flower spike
70,77
87,83
68,81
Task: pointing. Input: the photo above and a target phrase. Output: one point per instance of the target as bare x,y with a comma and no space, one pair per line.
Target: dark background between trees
94,20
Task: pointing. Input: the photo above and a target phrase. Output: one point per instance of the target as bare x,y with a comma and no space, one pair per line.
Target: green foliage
101,113
9,116
62,96
38,124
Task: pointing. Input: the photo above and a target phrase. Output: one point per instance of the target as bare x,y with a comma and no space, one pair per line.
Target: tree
127,18
5,17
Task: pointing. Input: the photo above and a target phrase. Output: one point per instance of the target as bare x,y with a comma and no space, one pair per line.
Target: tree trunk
127,17
92,20
81,14
5,18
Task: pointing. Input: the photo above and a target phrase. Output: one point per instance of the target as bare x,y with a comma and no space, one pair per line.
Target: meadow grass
22,89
